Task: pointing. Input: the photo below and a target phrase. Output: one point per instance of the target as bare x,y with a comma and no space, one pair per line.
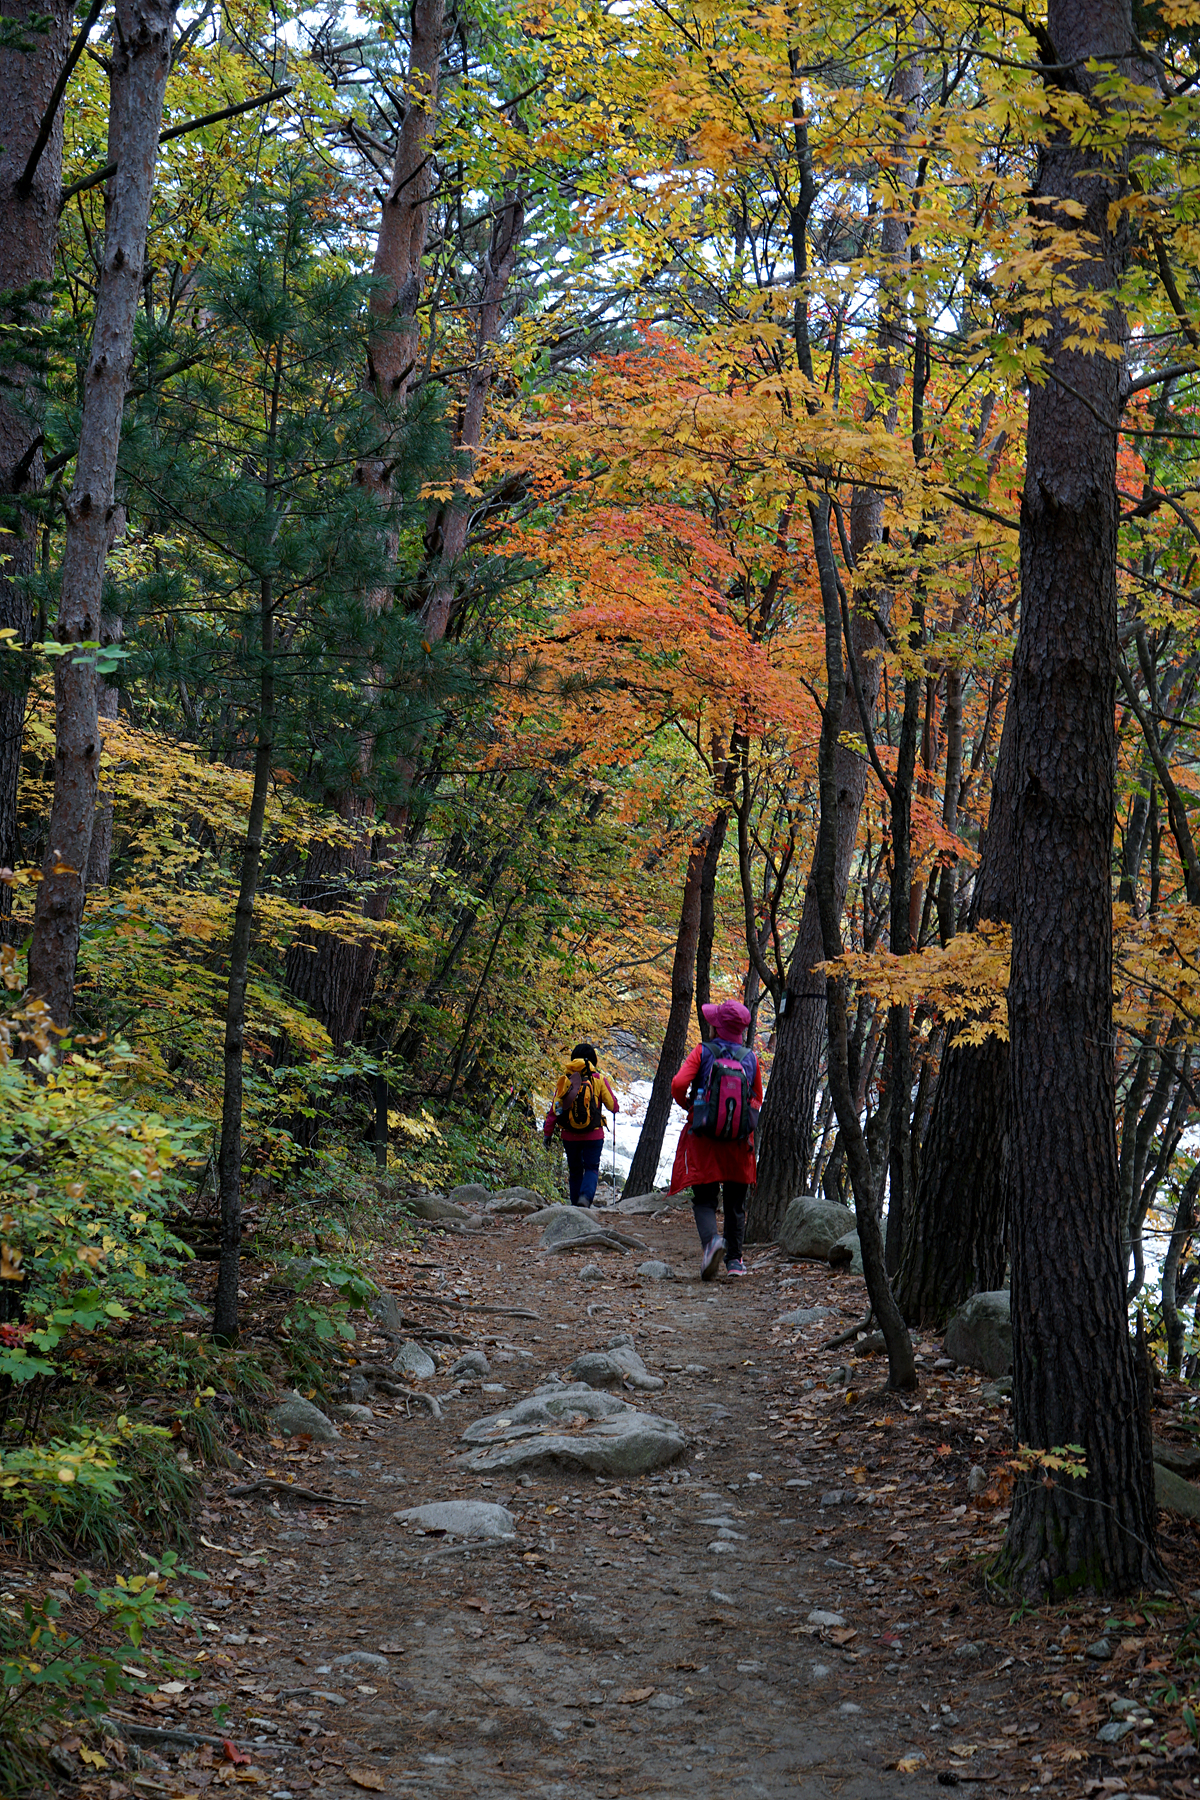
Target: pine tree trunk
141,58
955,1240
28,233
1074,1379
644,1167
229,1161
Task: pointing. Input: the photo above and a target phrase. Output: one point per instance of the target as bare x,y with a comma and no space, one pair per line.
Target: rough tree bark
1074,1378
28,231
229,1160
902,1372
644,1166
140,62
954,1243
334,974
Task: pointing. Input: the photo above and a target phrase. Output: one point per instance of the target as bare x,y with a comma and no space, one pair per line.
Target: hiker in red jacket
720,1087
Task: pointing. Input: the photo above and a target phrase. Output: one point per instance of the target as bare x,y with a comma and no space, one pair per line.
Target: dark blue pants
583,1170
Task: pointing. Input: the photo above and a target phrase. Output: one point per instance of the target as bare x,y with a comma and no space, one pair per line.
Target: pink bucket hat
728,1020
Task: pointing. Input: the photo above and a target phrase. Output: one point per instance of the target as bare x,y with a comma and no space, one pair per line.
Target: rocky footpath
584,1531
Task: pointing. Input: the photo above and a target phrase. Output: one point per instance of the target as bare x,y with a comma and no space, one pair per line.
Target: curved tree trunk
1074,1377
644,1167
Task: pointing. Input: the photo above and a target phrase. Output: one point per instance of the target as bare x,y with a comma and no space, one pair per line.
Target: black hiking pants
704,1206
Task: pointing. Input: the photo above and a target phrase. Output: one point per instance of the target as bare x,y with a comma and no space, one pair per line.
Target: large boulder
297,1417
847,1250
811,1226
980,1333
657,1201
574,1427
1175,1494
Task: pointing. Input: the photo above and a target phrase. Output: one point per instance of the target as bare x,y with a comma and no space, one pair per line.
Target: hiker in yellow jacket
582,1093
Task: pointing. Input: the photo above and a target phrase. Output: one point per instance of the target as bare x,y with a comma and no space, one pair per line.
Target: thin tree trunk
644,1167
708,897
140,61
229,1162
1181,1233
899,1017
902,1371
28,233
1074,1379
954,751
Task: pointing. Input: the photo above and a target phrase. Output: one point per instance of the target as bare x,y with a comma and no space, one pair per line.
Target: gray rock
565,1223
994,1393
471,1197
591,1272
980,1333
658,1201
1177,1465
847,1250
293,1273
871,1345
577,1427
1100,1651
412,1360
471,1362
436,1208
515,1201
976,1479
836,1497
297,1417
616,1364
807,1315
1114,1731
828,1621
361,1415
386,1313
969,1652
812,1225
656,1271
461,1518
362,1659
356,1388
1175,1494
665,1702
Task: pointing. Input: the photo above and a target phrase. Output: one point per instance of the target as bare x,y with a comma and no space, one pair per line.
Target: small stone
828,1621
848,1706
807,1315
1100,1651
471,1362
720,1598
613,1366
977,1479
721,1546
461,1518
297,1417
591,1272
969,1652
362,1659
656,1271
492,1387
360,1415
1114,1731
821,1671
835,1497
412,1360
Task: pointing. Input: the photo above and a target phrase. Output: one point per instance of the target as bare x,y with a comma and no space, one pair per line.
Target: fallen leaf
233,1754
367,1778
172,1687
366,1690
842,1636
392,1649
477,1604
908,1765
634,1696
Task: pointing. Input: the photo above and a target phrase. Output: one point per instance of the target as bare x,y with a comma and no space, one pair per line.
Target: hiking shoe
736,1267
709,1260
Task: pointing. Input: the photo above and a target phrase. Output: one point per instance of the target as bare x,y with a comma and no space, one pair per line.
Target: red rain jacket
701,1159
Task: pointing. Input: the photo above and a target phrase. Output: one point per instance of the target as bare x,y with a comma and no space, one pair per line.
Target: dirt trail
612,1649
